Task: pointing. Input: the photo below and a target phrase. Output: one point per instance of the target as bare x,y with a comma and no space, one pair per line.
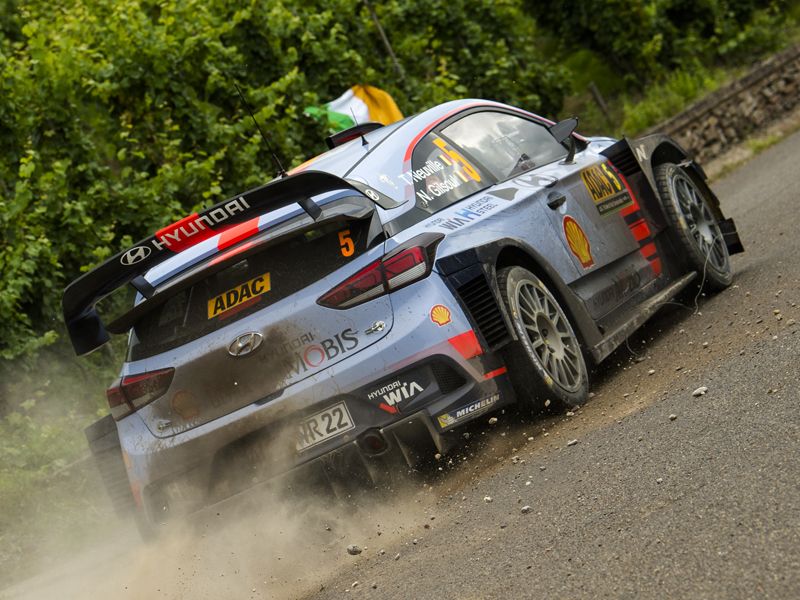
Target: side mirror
562,131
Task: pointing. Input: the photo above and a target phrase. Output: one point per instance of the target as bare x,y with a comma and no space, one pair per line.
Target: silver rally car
411,279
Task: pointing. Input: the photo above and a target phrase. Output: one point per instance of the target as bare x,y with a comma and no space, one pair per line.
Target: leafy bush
661,101
118,116
644,40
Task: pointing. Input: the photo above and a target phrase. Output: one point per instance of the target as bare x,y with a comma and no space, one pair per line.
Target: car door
586,200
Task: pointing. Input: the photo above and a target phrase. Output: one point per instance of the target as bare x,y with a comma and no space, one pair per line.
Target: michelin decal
467,412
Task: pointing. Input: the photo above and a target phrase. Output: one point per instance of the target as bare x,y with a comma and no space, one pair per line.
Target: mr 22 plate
324,425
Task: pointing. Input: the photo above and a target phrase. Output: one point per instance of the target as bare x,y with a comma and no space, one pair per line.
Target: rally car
413,278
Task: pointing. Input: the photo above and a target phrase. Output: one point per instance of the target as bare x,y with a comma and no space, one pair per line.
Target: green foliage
46,490
118,116
647,39
38,441
37,446
667,98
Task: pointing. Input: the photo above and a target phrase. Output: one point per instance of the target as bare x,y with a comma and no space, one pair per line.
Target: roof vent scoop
339,138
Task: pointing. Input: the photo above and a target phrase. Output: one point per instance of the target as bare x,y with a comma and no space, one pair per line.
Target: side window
441,175
506,144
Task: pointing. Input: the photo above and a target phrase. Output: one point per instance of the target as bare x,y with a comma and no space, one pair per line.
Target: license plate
324,425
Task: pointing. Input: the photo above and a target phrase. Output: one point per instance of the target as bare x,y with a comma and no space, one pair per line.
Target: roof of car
377,163
388,150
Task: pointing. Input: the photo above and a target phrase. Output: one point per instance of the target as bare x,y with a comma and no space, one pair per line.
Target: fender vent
447,378
482,306
621,155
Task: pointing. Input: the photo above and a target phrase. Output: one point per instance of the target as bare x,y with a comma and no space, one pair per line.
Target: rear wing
87,331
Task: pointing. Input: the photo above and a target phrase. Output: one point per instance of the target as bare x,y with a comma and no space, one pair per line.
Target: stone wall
712,125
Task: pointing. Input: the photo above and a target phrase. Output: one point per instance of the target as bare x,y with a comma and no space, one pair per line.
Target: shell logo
440,315
578,242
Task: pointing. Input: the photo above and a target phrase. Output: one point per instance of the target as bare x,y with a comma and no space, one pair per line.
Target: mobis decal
606,189
316,354
578,242
291,346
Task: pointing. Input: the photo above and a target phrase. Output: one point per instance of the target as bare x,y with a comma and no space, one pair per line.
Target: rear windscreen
250,285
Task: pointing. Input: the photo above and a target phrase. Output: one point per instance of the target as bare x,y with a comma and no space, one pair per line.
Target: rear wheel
107,454
547,362
695,227
104,445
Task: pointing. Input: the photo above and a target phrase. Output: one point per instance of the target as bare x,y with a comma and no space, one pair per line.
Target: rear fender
649,152
506,252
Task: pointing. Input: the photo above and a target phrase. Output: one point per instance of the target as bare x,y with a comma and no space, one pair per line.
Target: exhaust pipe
373,443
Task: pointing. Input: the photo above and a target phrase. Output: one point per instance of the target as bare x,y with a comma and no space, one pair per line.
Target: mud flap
731,236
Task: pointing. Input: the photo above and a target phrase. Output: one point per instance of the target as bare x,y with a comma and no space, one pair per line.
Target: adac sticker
247,291
578,242
606,189
440,315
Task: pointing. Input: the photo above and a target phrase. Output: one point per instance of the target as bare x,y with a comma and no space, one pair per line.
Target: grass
631,113
760,144
673,95
51,497
49,516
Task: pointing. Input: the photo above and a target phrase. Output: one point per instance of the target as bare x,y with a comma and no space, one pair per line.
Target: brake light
409,263
405,267
132,392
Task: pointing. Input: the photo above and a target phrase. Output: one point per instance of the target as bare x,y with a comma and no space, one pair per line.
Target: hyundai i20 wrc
411,279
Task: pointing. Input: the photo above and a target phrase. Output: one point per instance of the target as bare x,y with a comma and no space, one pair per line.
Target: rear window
250,285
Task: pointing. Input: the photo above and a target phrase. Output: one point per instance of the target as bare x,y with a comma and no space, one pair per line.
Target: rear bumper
343,472
457,380
364,460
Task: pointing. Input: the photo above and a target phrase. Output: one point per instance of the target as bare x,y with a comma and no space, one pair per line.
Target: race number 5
346,243
457,158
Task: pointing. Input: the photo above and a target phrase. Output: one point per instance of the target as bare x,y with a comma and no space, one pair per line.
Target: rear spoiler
87,331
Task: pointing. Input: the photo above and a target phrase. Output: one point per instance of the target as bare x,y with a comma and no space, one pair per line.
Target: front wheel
547,362
695,228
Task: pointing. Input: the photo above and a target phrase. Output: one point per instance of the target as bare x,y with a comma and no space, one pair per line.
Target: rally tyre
547,362
695,227
104,445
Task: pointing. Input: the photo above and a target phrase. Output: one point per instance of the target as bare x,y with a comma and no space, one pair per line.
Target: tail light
406,264
132,392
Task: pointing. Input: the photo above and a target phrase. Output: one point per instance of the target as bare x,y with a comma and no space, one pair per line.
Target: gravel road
646,492
664,495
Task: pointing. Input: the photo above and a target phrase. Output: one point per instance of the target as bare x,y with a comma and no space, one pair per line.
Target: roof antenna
364,141
281,171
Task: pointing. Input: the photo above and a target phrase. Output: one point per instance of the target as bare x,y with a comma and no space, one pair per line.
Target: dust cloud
256,545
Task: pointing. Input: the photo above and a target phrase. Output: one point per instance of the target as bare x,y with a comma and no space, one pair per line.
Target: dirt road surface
661,495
